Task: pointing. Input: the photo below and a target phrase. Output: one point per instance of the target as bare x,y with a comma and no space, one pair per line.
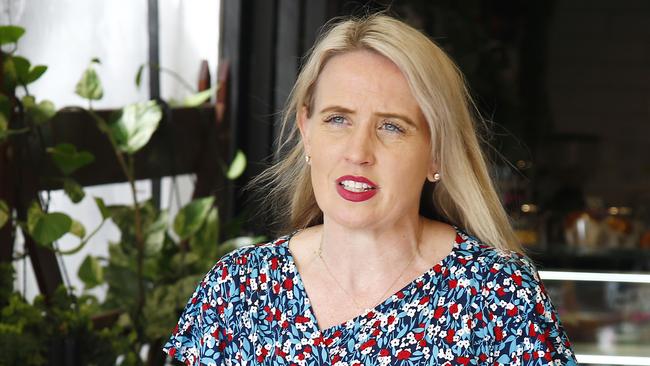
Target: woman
365,279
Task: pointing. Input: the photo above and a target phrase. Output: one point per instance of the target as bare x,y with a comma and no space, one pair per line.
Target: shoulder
495,263
236,270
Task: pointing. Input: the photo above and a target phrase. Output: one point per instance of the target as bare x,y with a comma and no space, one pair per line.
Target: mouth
356,184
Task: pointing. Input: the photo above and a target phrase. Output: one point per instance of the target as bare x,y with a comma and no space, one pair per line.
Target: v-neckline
406,288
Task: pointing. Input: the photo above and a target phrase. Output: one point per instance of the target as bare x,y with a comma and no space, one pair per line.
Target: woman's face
368,140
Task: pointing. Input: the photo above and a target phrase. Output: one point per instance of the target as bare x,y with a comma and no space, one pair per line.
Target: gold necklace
359,307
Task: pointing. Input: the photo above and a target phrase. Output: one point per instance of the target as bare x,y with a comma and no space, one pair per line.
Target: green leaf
237,166
68,159
138,75
35,73
5,106
4,127
39,113
155,234
103,210
206,239
135,125
191,217
241,241
10,34
91,272
46,228
4,213
77,229
21,67
73,190
89,86
199,98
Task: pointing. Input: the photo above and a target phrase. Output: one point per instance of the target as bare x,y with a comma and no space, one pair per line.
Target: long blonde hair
465,196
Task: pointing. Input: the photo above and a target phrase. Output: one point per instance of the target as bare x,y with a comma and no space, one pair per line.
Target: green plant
150,272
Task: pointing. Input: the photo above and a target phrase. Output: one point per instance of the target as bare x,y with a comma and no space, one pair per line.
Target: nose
360,147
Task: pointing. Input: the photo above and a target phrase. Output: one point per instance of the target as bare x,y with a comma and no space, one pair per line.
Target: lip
356,196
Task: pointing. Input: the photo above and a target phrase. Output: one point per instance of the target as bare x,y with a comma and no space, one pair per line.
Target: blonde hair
465,196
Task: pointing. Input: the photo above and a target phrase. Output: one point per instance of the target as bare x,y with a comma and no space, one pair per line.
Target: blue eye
392,127
336,119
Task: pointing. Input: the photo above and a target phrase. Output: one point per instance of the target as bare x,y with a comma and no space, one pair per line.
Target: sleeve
518,323
201,333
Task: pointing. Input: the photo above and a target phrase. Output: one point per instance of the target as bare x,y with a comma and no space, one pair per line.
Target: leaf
135,125
68,159
206,239
73,190
39,113
5,214
103,210
155,234
138,75
242,241
46,228
190,218
21,68
237,166
199,98
10,34
77,229
35,73
4,127
5,106
91,272
89,86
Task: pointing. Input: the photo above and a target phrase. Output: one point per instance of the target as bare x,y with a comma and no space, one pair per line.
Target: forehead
365,78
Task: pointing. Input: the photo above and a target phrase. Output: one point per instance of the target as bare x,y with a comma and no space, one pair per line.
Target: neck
365,256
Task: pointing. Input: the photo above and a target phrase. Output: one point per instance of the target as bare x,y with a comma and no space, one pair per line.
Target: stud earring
307,159
436,177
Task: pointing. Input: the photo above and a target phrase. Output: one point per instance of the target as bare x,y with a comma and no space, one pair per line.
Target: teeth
353,186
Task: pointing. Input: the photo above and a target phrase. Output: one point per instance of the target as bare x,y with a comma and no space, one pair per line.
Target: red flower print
439,311
517,279
450,336
462,360
384,352
403,354
274,263
302,319
369,343
498,333
512,312
453,283
288,284
424,300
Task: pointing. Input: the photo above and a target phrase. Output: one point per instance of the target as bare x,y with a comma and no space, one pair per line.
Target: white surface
66,34
595,276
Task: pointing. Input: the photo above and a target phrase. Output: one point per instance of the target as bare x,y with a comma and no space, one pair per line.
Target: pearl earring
436,177
307,159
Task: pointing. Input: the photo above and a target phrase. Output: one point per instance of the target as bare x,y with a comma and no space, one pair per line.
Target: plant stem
139,241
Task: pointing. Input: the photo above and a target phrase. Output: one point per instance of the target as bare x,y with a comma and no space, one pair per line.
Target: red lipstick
363,195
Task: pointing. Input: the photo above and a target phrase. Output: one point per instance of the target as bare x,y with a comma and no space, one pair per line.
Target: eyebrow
337,108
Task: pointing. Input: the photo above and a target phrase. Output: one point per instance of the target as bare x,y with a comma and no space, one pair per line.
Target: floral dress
478,306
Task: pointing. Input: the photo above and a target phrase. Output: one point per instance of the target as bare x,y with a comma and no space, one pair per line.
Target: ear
303,126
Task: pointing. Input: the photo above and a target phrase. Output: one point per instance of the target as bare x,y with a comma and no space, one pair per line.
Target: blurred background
128,129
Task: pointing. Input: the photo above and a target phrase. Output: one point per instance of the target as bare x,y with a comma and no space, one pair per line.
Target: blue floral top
478,306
